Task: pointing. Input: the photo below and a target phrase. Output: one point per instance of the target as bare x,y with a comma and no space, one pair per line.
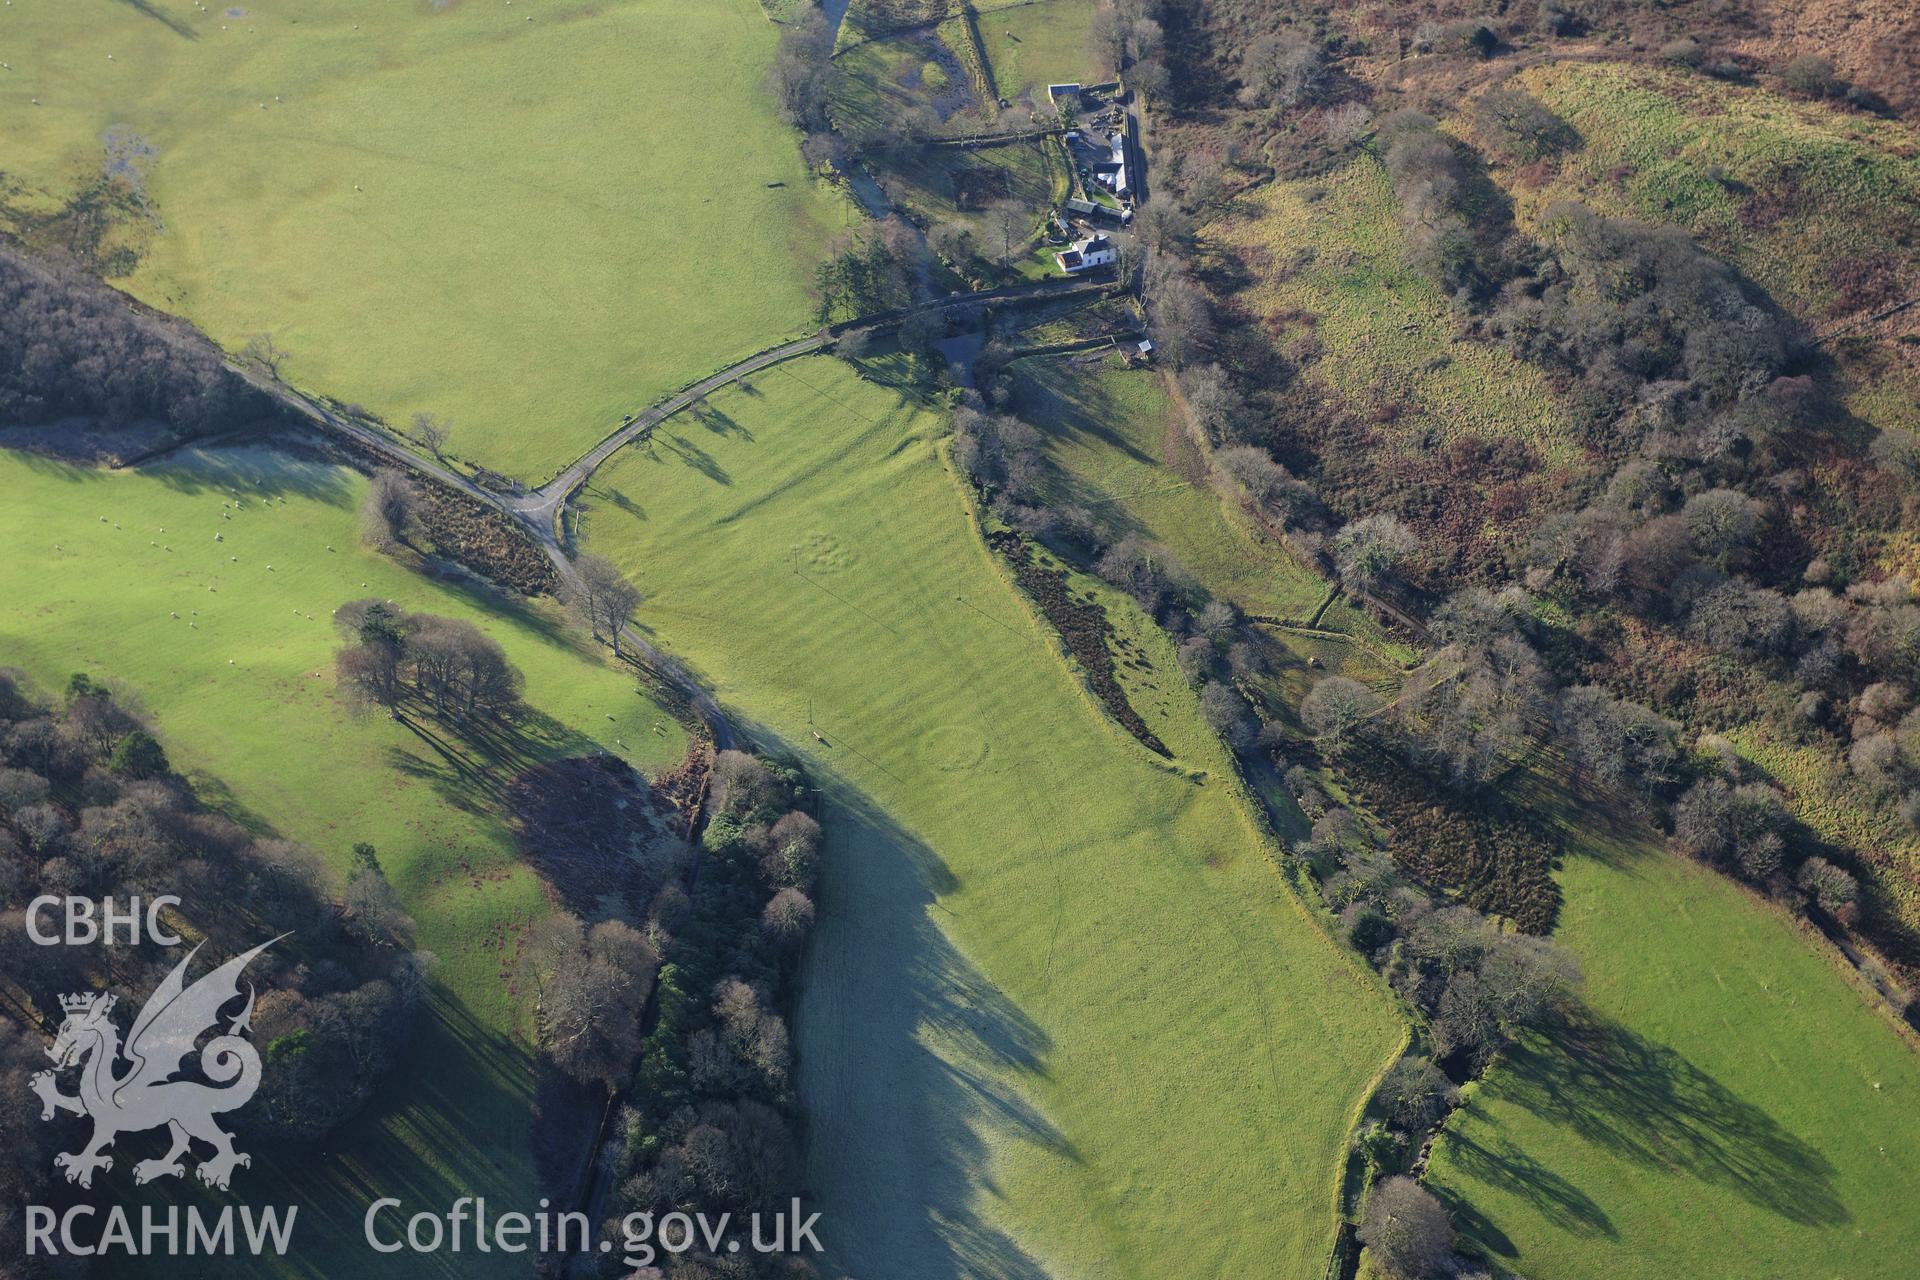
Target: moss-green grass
1327,261
529,227
1035,45
1061,1012
1679,147
1740,1111
874,81
1113,435
241,688
1032,173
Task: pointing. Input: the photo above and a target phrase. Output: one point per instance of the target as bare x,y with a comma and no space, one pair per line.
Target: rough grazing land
529,227
242,685
1061,1014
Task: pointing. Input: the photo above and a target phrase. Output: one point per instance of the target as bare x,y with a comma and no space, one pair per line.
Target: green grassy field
242,690
1035,45
1112,432
532,227
1734,1108
874,81
955,186
1061,1015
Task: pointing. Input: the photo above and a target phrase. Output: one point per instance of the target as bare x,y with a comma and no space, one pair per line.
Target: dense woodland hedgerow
711,1121
1712,558
89,806
70,347
1083,628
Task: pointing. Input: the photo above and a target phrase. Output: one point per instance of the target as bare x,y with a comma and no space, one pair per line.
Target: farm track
538,512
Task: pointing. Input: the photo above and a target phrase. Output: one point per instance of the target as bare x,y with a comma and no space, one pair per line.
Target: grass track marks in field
943,886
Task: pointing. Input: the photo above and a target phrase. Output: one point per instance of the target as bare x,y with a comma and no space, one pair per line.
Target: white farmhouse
1084,255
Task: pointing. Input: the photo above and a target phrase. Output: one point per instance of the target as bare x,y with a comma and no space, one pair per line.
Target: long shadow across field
900,1133
431,1135
1643,1101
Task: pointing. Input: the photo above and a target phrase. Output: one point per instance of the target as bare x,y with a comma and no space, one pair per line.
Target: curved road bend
538,512
542,506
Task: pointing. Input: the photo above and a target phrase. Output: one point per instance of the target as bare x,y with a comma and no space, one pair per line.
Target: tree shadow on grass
492,603
448,1121
256,471
469,762
1050,395
911,1062
1511,1169
720,423
173,24
694,456
1645,1103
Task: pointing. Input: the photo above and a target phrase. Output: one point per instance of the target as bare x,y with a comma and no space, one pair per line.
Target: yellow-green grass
1713,157
1114,435
1798,195
1736,1108
1061,1013
241,689
1035,45
529,227
1331,248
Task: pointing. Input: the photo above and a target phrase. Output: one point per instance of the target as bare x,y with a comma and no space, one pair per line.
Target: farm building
1079,208
1094,251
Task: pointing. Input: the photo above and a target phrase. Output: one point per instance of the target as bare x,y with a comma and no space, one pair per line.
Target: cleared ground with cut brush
242,689
531,227
1061,1015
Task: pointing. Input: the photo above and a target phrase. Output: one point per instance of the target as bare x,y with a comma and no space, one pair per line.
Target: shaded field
1061,1015
1115,435
1729,1106
241,684
382,187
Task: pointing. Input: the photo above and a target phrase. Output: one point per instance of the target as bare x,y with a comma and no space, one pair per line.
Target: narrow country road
541,508
539,512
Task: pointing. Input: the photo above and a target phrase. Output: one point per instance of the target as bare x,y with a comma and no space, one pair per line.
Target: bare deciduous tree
1009,222
389,515
432,431
1280,70
264,354
602,599
1336,707
800,71
1406,1229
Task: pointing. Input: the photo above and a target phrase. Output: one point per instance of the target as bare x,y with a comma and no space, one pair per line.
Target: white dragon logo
147,1096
